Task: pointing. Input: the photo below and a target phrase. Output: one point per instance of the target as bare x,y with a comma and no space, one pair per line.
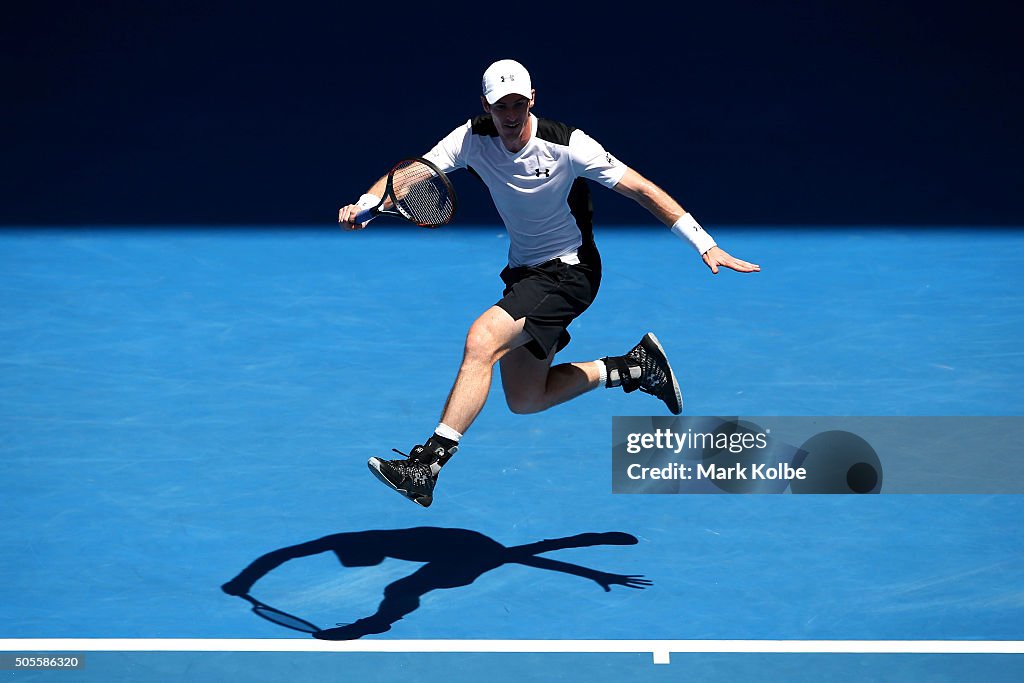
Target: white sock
447,432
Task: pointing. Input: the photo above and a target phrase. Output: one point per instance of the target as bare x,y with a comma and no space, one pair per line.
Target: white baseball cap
504,77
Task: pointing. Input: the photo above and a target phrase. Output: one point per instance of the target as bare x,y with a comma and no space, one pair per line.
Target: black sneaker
656,378
414,477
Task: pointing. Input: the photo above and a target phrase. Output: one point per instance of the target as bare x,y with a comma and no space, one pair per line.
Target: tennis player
535,170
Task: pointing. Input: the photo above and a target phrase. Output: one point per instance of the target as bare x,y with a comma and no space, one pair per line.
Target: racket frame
368,215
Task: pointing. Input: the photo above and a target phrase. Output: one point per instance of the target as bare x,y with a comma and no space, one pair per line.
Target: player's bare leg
490,337
493,335
532,385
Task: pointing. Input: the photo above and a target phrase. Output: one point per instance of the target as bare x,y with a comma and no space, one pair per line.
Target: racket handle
365,216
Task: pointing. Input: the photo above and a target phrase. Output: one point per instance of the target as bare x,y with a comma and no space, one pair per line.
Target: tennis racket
281,618
417,191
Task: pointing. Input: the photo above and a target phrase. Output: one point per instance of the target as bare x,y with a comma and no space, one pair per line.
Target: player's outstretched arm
369,199
667,210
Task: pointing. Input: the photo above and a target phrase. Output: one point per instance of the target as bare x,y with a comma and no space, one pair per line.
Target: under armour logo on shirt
546,172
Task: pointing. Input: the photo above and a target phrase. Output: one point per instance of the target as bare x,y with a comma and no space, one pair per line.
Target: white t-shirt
530,187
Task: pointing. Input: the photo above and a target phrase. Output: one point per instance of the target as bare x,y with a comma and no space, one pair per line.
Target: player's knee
523,402
481,343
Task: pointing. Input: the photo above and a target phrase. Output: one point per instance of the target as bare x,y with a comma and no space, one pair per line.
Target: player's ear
533,97
487,107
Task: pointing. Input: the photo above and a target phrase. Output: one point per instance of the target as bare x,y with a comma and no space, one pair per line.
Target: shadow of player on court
453,557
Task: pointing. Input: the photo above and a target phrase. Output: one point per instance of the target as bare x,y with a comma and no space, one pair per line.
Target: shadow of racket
280,618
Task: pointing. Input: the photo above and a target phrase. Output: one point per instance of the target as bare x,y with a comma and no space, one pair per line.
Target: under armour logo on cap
505,77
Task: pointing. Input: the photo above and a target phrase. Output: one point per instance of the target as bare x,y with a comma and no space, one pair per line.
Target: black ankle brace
437,449
621,373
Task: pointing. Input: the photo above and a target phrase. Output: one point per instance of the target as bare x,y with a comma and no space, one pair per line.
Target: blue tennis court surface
177,404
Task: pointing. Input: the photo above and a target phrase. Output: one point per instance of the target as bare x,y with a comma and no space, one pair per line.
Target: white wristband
689,229
368,201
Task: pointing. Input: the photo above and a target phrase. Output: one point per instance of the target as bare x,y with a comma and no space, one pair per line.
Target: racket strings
421,195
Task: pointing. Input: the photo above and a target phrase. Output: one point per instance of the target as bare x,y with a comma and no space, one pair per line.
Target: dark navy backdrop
749,112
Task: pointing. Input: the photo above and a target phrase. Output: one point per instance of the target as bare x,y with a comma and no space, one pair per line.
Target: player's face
510,115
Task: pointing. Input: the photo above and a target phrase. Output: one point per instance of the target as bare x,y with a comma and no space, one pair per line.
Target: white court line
660,649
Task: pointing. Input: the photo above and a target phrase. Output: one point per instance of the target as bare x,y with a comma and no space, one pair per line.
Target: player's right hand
345,216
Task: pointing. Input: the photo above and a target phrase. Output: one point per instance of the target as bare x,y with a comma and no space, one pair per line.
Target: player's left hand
716,257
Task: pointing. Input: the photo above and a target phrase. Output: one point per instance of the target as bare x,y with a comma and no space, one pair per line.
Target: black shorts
550,296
